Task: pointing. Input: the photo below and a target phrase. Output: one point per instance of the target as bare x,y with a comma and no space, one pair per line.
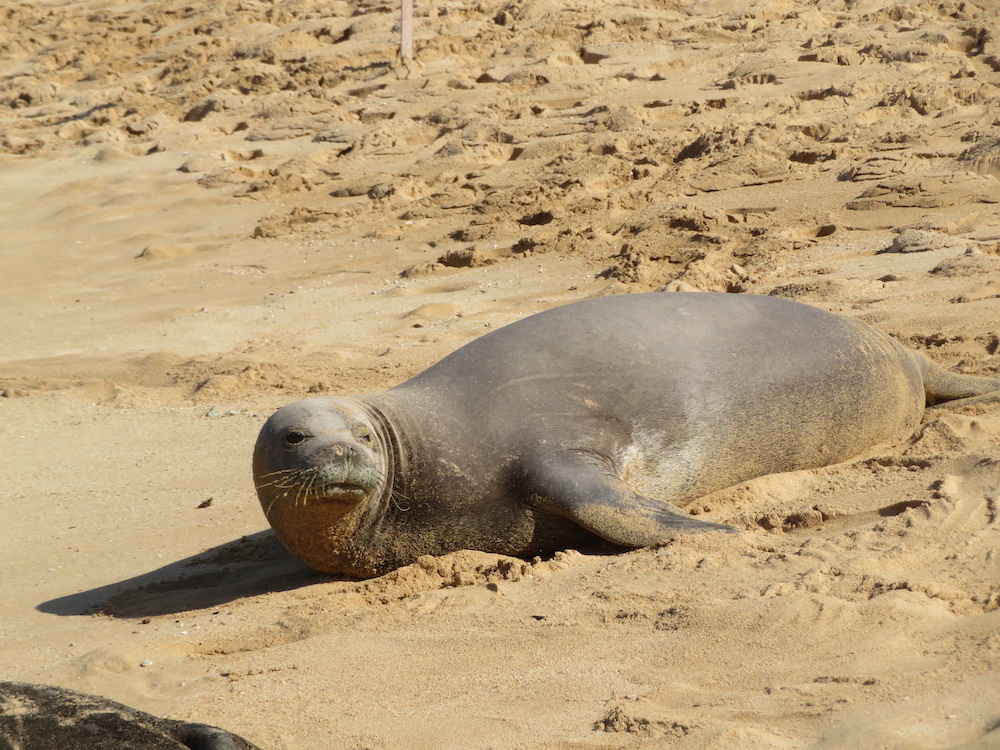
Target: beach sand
209,210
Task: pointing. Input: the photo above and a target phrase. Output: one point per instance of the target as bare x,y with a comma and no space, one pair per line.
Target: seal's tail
948,388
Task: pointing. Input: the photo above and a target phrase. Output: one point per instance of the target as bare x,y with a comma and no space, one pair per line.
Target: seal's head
321,467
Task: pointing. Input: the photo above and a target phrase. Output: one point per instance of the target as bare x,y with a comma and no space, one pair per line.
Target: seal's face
320,450
319,465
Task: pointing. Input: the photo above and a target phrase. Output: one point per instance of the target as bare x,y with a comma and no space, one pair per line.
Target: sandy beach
210,210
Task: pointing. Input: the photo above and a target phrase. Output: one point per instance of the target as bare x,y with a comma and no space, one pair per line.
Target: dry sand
211,209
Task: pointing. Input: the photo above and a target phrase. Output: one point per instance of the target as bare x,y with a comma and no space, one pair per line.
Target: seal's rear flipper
993,397
952,389
582,491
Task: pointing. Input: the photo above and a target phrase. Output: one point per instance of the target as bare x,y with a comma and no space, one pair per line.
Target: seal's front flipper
586,492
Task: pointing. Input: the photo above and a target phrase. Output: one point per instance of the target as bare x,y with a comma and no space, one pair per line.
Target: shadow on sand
249,566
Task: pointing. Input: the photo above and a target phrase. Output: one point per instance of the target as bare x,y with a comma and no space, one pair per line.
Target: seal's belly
768,429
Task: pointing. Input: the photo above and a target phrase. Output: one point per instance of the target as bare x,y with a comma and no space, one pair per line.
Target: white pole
406,31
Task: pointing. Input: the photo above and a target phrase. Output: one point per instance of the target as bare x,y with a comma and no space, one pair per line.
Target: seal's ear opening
362,434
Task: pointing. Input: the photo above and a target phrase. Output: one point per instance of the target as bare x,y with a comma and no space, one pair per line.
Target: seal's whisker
279,481
281,471
267,510
394,498
309,488
305,489
276,484
299,488
291,479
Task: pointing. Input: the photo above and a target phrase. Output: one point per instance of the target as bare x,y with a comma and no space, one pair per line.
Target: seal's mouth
346,484
335,492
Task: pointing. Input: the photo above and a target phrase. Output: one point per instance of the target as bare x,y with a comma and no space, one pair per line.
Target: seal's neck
392,439
378,536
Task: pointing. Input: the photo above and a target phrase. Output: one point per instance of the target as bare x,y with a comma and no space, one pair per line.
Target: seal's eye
362,434
294,437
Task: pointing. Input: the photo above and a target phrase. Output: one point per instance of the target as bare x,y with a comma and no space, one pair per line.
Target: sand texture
211,209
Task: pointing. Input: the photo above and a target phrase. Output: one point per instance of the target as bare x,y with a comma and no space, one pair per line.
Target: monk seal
594,419
41,717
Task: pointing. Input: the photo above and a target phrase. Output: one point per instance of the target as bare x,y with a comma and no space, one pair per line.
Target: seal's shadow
249,566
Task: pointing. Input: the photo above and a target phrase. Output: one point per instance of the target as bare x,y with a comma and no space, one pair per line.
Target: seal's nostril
338,450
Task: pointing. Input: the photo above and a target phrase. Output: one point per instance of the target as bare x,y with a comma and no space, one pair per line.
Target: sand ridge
211,210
